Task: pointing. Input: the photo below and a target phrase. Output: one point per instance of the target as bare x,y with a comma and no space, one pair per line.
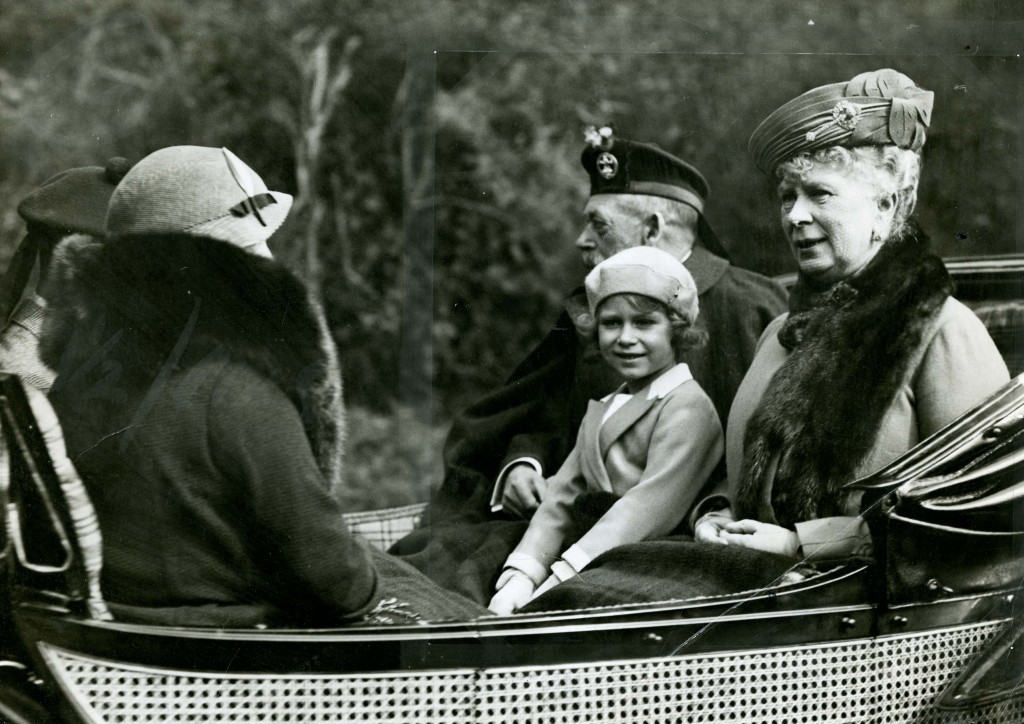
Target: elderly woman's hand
709,527
762,536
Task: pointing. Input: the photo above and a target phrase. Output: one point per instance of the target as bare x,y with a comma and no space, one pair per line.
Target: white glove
514,590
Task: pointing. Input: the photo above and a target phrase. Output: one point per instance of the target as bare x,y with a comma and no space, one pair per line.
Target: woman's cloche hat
199,191
877,108
644,270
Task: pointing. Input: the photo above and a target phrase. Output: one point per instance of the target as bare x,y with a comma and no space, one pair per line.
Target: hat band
654,188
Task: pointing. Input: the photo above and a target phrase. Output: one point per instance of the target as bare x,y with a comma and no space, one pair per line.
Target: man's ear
653,227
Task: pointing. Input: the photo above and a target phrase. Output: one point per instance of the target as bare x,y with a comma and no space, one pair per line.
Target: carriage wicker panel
890,679
386,526
119,693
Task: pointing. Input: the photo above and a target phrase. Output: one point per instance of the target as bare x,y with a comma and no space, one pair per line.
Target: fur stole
851,346
125,313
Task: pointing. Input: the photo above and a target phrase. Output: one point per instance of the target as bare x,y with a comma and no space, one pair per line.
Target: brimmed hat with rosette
877,108
199,191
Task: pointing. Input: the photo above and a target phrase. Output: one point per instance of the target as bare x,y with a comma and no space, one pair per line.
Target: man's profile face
612,223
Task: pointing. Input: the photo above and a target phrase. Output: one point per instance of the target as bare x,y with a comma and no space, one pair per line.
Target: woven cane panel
850,682
916,669
132,694
881,681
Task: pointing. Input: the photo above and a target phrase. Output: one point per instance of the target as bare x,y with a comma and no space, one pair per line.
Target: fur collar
818,419
142,306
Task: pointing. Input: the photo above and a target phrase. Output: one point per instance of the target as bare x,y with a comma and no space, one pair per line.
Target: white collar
662,384
668,381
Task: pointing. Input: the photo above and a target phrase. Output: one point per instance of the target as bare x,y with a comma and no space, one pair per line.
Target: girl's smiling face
835,221
637,343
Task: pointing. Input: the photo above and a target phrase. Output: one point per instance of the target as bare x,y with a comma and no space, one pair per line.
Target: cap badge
845,114
607,165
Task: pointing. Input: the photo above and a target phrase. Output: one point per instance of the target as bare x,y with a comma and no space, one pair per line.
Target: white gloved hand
514,590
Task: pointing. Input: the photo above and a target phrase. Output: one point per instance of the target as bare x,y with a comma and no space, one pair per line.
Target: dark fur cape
851,347
125,313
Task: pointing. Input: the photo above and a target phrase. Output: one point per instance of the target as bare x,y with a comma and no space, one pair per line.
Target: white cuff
499,487
577,558
529,565
563,570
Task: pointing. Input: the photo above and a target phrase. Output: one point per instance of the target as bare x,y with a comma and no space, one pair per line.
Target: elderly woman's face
834,220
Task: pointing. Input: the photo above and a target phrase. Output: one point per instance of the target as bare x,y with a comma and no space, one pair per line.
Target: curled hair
889,169
685,334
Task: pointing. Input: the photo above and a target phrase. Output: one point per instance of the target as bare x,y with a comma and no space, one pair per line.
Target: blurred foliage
83,80
391,458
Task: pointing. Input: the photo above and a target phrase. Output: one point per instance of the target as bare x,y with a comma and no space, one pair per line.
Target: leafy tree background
433,149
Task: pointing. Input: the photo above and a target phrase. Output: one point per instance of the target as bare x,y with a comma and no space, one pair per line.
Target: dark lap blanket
466,555
663,570
460,555
410,596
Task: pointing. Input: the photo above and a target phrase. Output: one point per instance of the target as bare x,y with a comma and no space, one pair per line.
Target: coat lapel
623,419
626,416
592,454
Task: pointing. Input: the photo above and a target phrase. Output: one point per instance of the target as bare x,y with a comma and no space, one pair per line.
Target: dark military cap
70,202
74,201
877,108
620,166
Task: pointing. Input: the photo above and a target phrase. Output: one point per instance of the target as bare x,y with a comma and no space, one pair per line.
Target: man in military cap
71,202
501,448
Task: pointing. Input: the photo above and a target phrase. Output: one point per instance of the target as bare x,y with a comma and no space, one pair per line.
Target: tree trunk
416,351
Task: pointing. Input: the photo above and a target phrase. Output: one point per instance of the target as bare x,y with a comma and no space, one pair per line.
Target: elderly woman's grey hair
889,169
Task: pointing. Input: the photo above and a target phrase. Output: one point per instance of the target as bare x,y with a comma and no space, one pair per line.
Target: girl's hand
514,590
762,536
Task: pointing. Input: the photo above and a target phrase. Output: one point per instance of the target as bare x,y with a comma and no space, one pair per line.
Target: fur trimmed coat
201,406
180,301
846,383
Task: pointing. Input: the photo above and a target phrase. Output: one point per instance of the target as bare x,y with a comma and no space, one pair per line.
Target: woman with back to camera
199,399
874,354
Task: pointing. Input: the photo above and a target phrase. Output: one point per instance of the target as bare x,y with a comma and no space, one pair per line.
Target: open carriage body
931,632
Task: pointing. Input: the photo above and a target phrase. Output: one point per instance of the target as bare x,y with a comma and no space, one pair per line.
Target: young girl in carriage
650,446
